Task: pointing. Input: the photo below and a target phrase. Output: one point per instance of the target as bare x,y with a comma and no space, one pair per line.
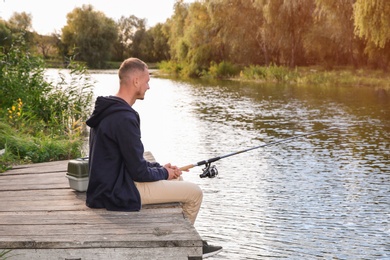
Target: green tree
159,49
21,21
127,29
90,34
331,38
45,45
290,21
372,23
199,38
177,45
20,25
139,39
239,34
5,35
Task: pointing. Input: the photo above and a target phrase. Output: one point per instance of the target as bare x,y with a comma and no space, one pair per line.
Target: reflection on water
321,196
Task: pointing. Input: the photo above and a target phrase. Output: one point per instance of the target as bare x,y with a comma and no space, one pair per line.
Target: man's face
143,82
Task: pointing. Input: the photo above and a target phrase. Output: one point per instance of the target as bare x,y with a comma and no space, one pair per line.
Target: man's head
134,77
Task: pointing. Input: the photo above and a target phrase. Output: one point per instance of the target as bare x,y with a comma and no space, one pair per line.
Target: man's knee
198,192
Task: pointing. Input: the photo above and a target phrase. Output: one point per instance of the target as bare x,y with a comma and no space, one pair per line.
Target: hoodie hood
105,106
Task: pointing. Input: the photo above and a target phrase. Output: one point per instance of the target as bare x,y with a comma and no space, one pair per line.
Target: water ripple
325,196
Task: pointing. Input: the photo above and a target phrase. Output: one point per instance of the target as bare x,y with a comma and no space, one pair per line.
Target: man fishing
119,176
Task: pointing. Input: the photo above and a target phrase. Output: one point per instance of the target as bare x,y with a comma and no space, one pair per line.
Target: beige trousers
187,193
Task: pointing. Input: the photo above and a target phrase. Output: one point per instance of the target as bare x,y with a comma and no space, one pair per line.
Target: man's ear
136,81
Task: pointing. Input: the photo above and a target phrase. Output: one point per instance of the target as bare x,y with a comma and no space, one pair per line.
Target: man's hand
173,171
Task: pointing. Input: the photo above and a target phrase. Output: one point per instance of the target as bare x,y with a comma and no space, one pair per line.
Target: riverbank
343,77
311,75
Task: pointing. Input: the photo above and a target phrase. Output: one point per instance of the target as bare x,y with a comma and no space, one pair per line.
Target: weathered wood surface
42,218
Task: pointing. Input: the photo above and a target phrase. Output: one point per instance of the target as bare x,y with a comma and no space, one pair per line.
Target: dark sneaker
209,250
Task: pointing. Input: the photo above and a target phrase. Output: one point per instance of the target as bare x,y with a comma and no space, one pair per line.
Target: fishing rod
211,171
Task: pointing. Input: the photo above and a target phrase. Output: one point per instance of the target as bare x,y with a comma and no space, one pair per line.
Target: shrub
254,72
272,73
40,120
170,67
223,70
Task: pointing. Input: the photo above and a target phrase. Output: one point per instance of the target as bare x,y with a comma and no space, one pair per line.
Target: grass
344,76
22,148
40,121
3,254
280,74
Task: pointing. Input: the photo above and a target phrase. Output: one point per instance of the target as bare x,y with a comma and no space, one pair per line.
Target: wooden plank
55,180
84,217
171,253
38,168
42,218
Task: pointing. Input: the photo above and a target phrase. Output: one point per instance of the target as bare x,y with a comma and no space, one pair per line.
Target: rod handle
186,168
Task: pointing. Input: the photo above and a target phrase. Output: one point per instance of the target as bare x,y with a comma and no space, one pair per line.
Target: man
119,176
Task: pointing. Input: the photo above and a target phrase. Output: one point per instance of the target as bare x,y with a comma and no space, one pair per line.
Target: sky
49,16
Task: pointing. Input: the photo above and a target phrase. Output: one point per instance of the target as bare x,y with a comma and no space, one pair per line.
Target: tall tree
139,39
372,23
199,38
331,39
127,29
91,33
5,35
178,46
20,25
290,21
239,33
160,48
21,21
45,45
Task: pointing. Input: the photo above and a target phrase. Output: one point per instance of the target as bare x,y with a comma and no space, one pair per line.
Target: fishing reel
209,171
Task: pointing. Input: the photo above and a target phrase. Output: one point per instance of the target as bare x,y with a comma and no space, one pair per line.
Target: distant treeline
327,33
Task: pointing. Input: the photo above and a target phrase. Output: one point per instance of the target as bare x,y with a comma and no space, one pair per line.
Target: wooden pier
41,217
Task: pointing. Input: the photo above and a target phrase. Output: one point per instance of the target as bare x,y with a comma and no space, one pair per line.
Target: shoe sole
211,253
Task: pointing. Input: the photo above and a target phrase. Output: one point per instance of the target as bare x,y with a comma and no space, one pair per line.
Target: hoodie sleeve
131,147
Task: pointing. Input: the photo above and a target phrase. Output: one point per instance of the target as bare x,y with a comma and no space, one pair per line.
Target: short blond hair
131,65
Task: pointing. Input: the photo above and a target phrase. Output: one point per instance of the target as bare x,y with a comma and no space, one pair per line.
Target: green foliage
66,105
93,35
191,70
254,72
272,73
170,67
40,120
345,77
372,21
160,48
133,40
3,254
331,40
223,70
329,33
288,33
5,35
19,147
22,76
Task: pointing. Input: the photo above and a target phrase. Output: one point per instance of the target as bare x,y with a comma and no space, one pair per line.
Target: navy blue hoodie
116,157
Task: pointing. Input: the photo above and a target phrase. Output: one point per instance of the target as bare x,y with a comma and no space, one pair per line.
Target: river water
323,196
